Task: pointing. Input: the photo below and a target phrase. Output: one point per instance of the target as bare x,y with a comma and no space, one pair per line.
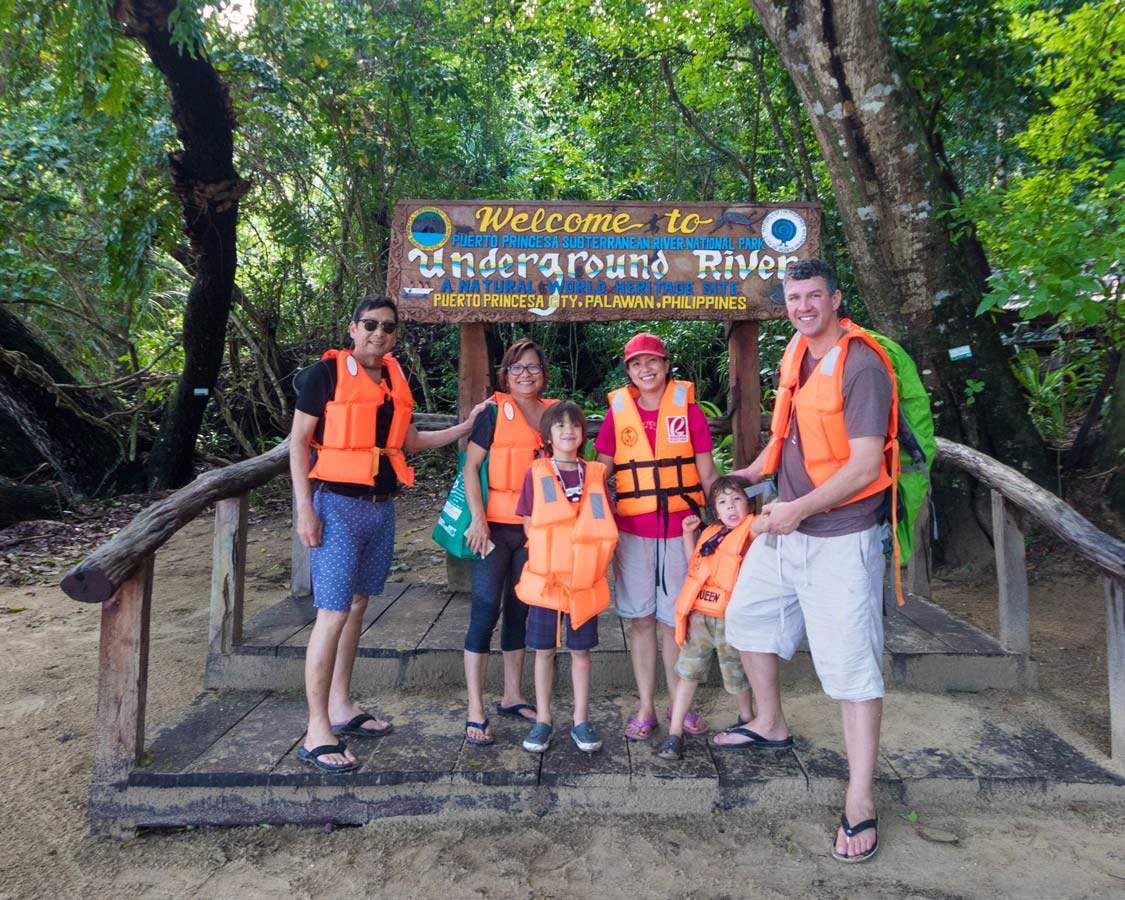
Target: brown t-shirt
867,405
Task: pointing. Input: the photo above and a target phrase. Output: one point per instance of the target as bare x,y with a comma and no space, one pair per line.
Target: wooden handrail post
1011,576
123,677
300,571
228,574
920,564
1115,657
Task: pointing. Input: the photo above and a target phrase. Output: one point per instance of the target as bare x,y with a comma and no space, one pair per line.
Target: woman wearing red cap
655,438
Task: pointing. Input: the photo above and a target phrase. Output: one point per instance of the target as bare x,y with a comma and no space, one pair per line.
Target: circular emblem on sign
353,367
629,437
784,231
509,413
428,228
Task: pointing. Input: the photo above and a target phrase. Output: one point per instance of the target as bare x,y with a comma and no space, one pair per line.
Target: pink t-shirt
648,524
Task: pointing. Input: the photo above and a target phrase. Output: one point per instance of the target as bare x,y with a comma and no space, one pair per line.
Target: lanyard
573,494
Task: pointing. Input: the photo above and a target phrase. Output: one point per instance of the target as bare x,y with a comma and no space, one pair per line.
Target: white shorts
831,587
636,576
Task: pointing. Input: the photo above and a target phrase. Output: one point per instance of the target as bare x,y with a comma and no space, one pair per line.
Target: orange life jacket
347,451
664,480
818,406
569,545
710,579
514,446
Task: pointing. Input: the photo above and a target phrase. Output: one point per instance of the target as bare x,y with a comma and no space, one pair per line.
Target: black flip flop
852,832
515,711
354,727
482,727
756,742
312,757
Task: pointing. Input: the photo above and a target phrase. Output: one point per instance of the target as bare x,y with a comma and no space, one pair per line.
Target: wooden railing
1013,496
119,576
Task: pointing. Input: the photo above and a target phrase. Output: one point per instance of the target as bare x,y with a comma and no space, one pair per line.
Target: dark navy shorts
543,625
355,551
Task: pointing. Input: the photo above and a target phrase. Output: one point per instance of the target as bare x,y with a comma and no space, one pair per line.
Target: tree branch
694,124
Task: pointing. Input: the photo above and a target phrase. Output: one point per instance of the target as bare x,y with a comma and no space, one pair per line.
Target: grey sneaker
538,739
585,737
672,748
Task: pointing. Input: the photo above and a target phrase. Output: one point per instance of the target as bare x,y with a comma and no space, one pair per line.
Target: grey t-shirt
867,405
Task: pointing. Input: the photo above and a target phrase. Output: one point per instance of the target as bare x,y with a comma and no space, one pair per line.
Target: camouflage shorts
706,638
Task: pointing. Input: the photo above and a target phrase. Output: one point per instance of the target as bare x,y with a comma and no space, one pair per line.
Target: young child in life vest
714,561
571,535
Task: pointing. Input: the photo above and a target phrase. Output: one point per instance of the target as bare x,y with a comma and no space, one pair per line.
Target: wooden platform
413,638
230,758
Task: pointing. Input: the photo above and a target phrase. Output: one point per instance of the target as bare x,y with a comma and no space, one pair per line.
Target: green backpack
916,442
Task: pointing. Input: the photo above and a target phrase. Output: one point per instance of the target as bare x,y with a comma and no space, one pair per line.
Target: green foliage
1056,389
345,108
1054,228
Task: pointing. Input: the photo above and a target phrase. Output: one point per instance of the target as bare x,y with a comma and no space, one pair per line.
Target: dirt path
46,707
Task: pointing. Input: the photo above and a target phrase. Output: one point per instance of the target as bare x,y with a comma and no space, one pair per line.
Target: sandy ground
47,715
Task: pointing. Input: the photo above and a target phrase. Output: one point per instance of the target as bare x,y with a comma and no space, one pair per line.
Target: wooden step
413,638
230,759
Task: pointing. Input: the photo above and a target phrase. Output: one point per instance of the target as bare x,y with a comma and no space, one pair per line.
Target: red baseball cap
644,343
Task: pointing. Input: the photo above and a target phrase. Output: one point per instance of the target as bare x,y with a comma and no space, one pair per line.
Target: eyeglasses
520,368
373,324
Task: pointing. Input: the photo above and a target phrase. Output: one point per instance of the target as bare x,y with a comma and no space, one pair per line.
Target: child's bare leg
580,678
544,684
681,703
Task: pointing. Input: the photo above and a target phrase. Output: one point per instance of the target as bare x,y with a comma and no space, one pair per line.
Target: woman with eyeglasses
507,433
355,407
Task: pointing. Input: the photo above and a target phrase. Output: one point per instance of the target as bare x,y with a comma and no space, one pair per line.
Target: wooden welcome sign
503,261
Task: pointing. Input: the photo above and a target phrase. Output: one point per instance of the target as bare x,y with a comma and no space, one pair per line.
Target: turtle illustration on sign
733,218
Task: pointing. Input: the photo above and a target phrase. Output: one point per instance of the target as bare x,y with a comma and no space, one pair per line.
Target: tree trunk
23,502
66,429
209,189
921,286
1114,442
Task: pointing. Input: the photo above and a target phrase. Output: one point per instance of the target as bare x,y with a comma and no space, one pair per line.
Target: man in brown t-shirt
819,568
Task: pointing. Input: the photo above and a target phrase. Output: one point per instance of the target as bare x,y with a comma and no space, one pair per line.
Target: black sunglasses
372,324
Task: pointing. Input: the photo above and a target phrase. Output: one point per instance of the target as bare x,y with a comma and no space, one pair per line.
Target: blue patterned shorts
355,551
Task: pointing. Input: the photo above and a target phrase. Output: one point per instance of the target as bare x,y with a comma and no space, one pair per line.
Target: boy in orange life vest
656,444
712,570
571,535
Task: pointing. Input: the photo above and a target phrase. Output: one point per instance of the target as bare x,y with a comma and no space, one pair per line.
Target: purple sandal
640,729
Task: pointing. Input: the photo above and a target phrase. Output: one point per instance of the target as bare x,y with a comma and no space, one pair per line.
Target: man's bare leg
320,660
341,709
862,721
763,672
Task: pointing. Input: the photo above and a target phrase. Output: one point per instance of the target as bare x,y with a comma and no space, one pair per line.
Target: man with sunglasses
354,406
